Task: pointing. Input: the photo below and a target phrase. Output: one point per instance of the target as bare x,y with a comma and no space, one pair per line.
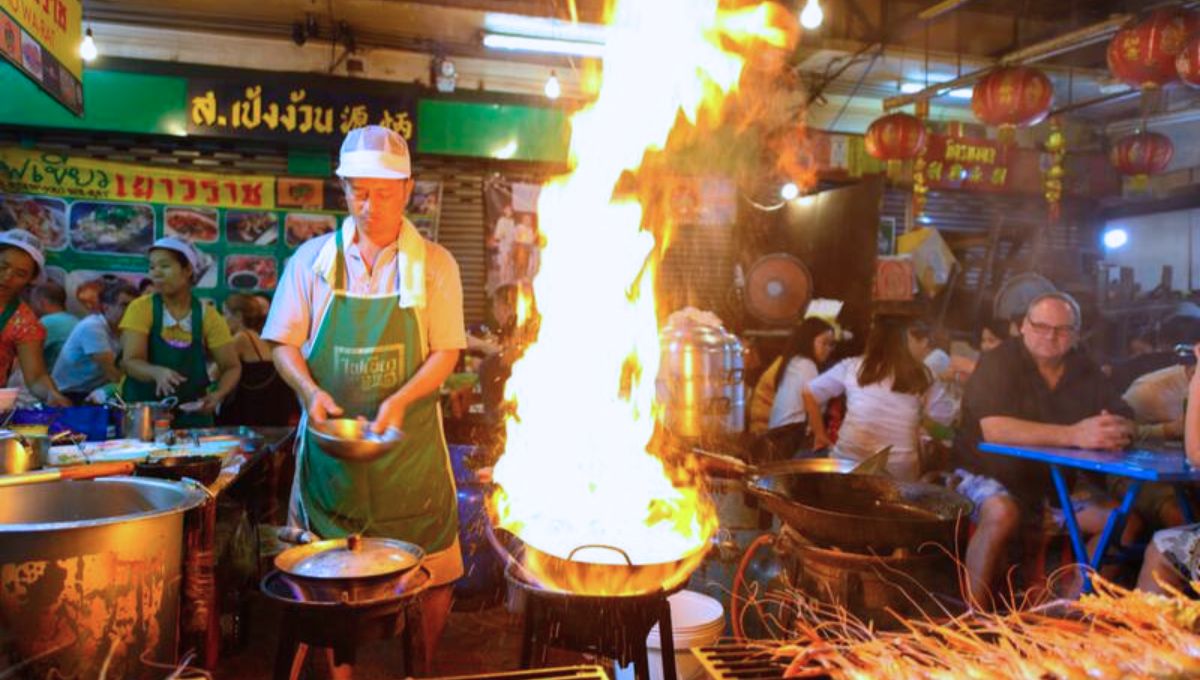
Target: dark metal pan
864,512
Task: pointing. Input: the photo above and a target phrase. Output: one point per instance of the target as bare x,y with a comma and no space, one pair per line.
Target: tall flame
576,470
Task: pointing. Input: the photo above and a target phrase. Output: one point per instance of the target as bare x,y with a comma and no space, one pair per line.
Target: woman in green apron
367,323
22,336
168,336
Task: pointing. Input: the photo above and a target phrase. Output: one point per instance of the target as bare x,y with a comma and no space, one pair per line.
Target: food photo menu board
88,215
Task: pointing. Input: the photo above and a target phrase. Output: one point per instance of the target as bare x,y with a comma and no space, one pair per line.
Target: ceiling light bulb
553,88
811,16
1115,238
789,191
87,47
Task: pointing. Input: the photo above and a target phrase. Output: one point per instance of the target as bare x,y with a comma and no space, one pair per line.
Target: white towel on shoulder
410,262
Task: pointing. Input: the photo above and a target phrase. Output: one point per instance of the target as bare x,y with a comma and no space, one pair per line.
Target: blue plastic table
1165,464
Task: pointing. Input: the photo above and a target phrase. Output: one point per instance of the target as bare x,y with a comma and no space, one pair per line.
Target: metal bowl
351,439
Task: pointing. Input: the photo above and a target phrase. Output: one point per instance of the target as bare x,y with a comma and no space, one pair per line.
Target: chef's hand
208,404
821,441
166,380
320,406
391,415
57,399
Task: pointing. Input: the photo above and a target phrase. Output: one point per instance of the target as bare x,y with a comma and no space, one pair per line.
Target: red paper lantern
1142,154
1011,97
1143,54
1187,62
896,137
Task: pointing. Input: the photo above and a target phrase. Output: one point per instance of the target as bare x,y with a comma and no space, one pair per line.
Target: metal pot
140,417
18,454
701,381
354,569
100,559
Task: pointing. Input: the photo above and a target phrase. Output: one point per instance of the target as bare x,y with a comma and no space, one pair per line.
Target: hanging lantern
1143,54
1140,155
1187,62
1011,97
895,138
1052,179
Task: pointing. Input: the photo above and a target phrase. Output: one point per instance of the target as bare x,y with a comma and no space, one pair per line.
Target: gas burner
741,662
613,626
341,624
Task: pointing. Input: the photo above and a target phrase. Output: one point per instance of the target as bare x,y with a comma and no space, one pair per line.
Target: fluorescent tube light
544,45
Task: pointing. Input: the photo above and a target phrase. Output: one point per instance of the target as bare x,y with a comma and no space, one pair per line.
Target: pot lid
351,557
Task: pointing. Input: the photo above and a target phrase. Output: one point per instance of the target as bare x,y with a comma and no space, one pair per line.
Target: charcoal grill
741,662
560,673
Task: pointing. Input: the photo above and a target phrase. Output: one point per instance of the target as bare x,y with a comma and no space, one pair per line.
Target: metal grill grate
741,662
562,673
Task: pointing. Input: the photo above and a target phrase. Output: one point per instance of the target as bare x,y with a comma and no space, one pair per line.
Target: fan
778,288
1018,291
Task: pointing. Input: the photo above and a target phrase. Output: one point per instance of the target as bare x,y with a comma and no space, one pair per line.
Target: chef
367,322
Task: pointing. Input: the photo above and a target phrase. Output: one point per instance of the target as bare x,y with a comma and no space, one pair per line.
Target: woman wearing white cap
164,336
22,336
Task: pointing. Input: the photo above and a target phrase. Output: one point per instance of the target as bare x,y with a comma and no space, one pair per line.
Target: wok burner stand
611,626
340,626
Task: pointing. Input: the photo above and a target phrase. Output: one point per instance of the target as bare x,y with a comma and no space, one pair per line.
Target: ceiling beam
1066,42
938,9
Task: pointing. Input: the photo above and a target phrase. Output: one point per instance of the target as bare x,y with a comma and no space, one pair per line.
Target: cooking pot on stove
701,381
352,569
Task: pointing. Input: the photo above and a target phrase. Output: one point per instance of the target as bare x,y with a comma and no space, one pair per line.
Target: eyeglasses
1047,329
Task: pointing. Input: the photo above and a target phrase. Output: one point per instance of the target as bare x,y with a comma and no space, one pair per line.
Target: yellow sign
51,174
55,25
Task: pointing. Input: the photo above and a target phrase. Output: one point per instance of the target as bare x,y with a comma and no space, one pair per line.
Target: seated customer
49,302
88,360
1173,557
809,347
1038,390
888,393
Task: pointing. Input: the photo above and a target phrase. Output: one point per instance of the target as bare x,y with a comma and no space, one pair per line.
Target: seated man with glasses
1034,390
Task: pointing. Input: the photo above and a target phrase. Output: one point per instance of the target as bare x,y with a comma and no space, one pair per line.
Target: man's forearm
294,370
1005,430
429,377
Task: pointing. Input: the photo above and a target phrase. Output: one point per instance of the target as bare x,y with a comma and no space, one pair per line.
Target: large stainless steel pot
16,457
90,576
701,381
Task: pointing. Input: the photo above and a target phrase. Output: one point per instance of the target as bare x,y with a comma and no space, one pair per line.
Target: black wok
863,513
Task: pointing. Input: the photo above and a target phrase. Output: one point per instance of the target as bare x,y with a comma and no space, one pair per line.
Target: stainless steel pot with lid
701,380
351,569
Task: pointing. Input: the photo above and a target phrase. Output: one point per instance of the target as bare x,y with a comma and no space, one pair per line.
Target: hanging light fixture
553,88
811,16
87,46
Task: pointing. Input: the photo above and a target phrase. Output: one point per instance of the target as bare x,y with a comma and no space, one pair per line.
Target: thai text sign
281,107
966,163
41,38
51,174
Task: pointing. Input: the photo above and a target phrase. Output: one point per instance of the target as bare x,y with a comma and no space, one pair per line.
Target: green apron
365,349
187,361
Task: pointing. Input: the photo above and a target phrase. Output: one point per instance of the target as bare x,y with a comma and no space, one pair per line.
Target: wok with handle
92,471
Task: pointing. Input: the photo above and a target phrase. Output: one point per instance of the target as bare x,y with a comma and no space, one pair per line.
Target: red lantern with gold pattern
895,137
1187,62
1011,97
1143,54
1142,154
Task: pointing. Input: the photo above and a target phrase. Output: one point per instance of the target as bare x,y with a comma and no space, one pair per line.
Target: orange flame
577,470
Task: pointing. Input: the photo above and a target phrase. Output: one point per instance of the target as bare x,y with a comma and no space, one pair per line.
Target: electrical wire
857,86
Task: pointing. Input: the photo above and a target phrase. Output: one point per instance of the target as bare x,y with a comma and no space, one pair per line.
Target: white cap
32,245
374,151
178,245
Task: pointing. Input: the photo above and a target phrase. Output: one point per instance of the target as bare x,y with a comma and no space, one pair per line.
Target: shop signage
296,108
966,163
51,174
94,230
41,38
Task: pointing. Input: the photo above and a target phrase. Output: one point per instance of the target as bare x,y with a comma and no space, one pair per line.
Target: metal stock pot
701,380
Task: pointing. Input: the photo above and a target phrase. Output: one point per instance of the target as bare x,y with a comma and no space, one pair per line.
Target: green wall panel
112,100
499,131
